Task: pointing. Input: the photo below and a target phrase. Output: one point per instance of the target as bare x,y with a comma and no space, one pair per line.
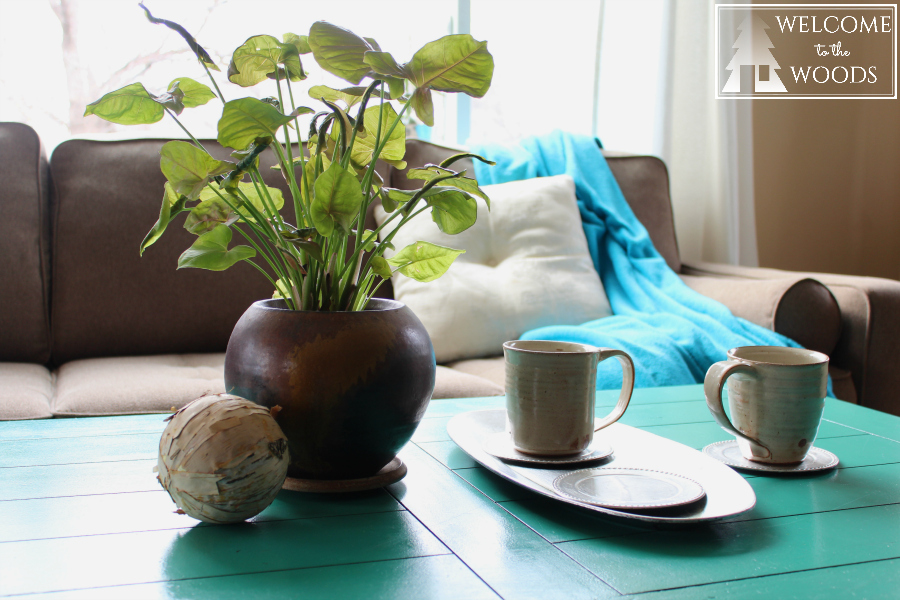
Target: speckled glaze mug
775,395
550,392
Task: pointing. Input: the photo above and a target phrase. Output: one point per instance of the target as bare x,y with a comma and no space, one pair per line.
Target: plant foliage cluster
325,259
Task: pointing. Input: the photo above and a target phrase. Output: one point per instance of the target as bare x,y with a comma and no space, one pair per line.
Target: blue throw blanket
673,333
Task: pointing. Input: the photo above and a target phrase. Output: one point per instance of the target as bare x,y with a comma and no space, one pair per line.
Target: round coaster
729,453
501,446
393,472
613,487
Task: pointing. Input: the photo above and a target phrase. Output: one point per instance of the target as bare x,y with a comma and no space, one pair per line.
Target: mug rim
586,348
815,357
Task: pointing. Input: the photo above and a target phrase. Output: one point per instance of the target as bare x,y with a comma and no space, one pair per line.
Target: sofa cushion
24,245
798,307
526,266
136,384
451,383
25,391
107,299
158,384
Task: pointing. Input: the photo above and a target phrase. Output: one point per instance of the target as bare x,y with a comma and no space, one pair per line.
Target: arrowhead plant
320,257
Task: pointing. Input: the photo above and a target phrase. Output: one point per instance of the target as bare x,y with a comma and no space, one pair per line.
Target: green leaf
130,105
384,64
282,290
453,211
300,42
210,251
172,205
381,267
172,99
391,198
195,93
423,105
424,261
429,172
369,239
396,86
349,96
339,51
246,119
364,146
313,249
254,60
189,168
337,199
202,55
209,214
454,63
249,190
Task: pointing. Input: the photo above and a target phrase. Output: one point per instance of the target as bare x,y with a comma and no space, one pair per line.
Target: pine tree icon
753,49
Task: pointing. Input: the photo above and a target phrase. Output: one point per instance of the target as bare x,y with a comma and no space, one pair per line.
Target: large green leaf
429,172
258,58
130,105
210,251
208,215
246,119
195,93
453,211
423,105
454,63
337,199
189,168
172,205
339,51
424,261
364,146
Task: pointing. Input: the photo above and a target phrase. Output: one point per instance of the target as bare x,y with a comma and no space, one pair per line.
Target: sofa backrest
109,301
644,181
25,246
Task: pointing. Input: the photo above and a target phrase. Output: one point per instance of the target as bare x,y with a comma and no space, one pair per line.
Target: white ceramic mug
550,392
775,395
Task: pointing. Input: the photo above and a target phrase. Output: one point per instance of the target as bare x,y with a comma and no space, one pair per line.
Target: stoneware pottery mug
550,391
775,396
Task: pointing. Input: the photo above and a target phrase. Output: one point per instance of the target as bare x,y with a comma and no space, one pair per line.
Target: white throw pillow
526,265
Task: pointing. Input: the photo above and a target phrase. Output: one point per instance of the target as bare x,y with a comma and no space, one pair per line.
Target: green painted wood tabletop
82,516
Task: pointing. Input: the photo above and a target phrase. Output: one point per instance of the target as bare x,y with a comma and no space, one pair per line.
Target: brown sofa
88,327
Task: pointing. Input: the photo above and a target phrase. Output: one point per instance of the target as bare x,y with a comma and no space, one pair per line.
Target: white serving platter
727,492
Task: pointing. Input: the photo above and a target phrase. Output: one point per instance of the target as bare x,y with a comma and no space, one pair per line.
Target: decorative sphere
222,459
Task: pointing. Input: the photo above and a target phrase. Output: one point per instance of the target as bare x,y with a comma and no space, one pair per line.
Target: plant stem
215,85
183,128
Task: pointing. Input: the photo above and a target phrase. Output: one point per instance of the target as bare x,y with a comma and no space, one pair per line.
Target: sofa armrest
869,345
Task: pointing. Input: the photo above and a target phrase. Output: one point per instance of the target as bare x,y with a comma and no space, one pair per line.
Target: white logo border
788,96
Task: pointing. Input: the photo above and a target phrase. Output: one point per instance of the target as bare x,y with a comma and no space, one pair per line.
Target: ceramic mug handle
627,385
712,388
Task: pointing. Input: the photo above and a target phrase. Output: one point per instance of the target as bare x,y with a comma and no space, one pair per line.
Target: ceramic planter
352,386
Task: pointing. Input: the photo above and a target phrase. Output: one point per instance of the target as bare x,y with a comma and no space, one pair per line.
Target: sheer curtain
656,95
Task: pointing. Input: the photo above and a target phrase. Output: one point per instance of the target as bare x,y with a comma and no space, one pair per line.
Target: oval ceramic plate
729,453
628,488
727,492
500,445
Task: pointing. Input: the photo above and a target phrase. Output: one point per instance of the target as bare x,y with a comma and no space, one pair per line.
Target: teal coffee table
82,516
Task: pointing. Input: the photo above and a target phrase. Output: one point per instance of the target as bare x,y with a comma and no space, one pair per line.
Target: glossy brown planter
352,386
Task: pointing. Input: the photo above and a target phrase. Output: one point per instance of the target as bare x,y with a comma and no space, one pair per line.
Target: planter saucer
729,453
393,472
500,445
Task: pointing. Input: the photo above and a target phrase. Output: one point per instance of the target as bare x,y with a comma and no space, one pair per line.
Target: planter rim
375,305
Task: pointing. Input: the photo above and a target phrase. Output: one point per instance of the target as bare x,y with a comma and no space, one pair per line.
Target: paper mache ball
222,459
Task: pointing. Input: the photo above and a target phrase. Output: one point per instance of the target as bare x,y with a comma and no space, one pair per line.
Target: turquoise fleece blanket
673,333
